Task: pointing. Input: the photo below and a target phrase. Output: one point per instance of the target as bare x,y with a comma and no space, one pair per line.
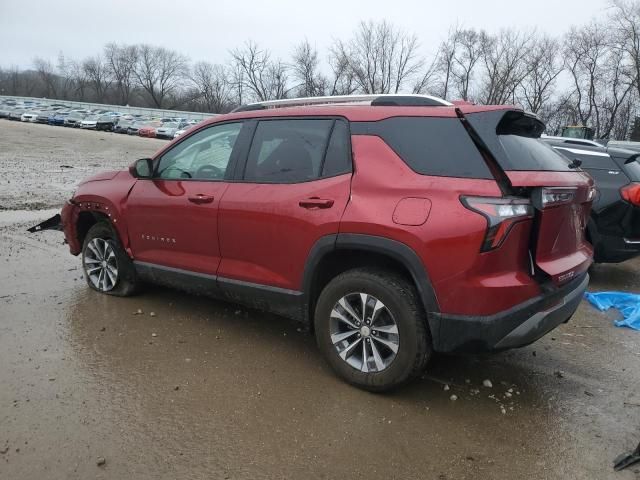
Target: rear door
173,217
561,193
292,190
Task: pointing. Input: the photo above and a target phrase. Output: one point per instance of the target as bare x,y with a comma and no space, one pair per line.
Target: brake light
501,214
631,193
552,196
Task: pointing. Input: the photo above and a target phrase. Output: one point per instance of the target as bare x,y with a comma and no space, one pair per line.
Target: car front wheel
371,328
107,267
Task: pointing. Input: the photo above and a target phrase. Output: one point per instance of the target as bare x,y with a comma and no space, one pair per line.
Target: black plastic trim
281,301
192,282
475,334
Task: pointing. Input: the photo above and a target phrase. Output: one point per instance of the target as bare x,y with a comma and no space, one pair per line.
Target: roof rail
409,100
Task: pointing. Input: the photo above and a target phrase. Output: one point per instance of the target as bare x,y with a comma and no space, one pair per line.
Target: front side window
203,156
287,151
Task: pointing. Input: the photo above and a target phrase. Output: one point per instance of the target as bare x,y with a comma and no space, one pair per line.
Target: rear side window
287,151
430,145
527,153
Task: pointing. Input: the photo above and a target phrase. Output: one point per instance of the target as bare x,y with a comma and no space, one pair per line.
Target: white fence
150,112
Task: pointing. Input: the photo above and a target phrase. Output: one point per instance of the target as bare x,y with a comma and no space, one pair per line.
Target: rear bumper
516,327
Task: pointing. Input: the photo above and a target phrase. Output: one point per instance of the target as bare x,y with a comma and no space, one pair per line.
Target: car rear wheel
371,328
107,267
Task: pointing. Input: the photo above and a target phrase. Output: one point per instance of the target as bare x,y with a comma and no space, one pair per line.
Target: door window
288,151
202,156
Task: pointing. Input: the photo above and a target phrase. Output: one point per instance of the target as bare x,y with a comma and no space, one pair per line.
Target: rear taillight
547,197
501,214
631,193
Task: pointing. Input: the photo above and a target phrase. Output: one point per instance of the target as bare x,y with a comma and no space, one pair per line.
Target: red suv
393,226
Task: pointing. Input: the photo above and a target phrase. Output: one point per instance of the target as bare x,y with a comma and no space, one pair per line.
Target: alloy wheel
101,264
364,332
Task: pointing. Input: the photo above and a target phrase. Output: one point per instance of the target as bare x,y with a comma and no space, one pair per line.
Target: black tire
402,302
126,283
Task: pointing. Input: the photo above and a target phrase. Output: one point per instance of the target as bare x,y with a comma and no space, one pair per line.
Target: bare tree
428,81
98,75
213,86
159,72
444,61
466,56
626,20
121,61
305,69
380,56
544,67
47,75
343,80
600,75
265,78
504,63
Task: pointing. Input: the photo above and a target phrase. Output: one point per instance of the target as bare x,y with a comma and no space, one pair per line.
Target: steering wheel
209,171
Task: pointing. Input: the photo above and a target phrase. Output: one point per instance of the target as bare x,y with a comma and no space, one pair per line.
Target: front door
173,217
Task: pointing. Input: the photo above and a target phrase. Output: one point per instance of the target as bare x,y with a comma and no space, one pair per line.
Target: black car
614,226
106,122
122,125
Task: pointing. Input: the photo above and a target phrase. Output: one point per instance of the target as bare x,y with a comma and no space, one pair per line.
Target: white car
181,132
89,122
29,116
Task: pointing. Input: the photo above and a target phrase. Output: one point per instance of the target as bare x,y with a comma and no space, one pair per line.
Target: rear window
430,145
527,153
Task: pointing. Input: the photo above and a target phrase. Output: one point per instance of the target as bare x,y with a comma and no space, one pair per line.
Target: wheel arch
334,254
87,219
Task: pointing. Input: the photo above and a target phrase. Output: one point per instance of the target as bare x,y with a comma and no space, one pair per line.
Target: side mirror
142,168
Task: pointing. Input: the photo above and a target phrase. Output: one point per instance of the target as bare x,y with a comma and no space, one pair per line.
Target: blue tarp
627,303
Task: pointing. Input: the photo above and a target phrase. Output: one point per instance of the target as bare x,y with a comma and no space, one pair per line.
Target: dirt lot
209,390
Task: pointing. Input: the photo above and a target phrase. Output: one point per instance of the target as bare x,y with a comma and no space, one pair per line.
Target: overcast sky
206,30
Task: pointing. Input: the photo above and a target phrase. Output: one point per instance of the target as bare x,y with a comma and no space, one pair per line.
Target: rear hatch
560,193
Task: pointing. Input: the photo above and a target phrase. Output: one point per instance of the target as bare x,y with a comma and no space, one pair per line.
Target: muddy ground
202,389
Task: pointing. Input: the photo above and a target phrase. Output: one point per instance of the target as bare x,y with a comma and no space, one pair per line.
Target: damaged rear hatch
559,191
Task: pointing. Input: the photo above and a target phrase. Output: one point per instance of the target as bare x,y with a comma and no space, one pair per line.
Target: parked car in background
181,131
149,129
16,114
136,126
43,116
29,116
614,223
5,111
106,122
398,228
122,125
89,122
74,119
168,130
57,118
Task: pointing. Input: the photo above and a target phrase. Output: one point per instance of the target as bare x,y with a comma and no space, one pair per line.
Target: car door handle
315,202
200,198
